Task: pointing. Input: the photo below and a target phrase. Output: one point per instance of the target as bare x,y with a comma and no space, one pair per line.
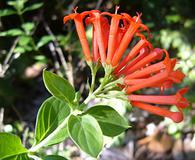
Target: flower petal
147,82
156,54
95,51
78,19
96,19
175,116
113,36
143,52
177,99
133,27
134,52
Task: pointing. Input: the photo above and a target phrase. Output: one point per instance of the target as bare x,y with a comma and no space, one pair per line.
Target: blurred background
33,37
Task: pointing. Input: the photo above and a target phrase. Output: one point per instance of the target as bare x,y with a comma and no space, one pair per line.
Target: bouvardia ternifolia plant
126,72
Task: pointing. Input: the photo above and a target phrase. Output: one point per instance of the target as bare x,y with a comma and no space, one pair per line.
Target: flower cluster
119,41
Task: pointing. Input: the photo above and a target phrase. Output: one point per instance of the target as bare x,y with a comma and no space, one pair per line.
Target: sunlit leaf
33,7
10,145
58,86
28,27
86,133
24,40
12,32
7,12
50,116
54,157
111,123
44,40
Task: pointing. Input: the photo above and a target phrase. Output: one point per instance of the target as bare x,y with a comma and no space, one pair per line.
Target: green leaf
173,18
192,59
10,145
24,40
33,7
28,27
86,133
17,4
41,59
18,157
51,114
19,50
58,86
7,12
110,121
54,157
12,32
44,40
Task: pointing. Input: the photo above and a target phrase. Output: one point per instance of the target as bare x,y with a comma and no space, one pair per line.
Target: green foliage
58,87
51,114
111,123
28,27
54,157
12,32
7,12
33,7
24,40
44,40
86,133
18,157
10,145
19,6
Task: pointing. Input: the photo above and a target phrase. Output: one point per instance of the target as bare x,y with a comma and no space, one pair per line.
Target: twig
8,57
1,118
37,21
6,64
25,136
70,69
71,6
56,63
17,112
68,72
98,4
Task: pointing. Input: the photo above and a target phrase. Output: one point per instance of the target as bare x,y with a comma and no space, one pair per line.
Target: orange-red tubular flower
143,52
120,33
176,99
151,69
95,51
135,24
78,19
142,60
105,31
141,101
96,19
141,68
175,116
148,82
174,77
114,26
156,54
144,83
134,52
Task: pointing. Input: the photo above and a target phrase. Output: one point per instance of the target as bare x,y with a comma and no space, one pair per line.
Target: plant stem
101,87
93,76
